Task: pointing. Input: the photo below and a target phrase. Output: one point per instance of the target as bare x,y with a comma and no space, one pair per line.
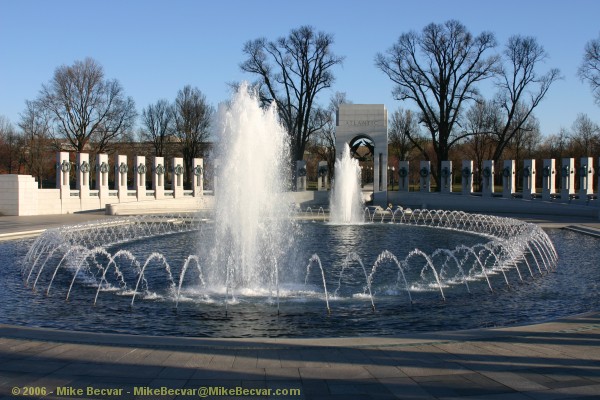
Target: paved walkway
17,227
554,360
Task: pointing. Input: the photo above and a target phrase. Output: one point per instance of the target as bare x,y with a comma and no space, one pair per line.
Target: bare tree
585,136
157,120
556,145
525,143
590,67
438,70
87,109
522,88
11,146
292,71
482,121
324,139
35,125
404,130
191,118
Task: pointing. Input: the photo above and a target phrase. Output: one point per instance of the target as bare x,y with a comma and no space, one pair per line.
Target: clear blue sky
154,48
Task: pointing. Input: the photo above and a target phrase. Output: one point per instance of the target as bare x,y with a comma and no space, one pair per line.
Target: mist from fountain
346,202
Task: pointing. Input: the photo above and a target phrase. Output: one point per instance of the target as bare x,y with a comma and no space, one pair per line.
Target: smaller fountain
346,202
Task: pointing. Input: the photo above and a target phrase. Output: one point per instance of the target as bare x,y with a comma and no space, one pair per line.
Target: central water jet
346,202
254,224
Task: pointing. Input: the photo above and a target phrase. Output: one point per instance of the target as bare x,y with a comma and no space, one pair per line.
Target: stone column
177,177
215,173
446,176
83,174
139,179
121,170
548,179
158,177
198,180
425,176
323,176
508,179
63,169
567,179
487,176
467,176
586,178
383,170
403,176
102,168
529,179
598,186
300,176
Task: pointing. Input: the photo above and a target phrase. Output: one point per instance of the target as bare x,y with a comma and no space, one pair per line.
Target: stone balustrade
565,179
562,181
20,195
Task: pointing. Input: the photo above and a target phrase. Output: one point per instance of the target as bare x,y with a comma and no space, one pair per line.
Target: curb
20,234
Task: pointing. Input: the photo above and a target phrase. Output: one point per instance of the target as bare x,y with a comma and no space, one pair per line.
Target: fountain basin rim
33,233
21,234
264,343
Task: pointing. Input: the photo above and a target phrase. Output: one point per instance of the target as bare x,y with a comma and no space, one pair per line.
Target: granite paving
554,360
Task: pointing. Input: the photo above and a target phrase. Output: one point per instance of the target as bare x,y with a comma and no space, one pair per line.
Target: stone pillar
548,179
380,178
198,180
487,178
139,179
323,176
63,169
567,179
121,170
529,179
598,187
177,177
216,165
446,176
158,177
508,179
83,174
586,178
300,176
102,168
467,176
403,176
425,176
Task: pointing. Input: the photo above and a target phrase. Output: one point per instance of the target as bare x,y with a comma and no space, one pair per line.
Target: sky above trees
154,48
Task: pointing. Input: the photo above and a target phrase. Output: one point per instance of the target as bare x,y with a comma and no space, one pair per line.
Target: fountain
346,202
254,219
250,268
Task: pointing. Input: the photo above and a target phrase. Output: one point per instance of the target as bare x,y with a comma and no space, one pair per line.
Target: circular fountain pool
421,272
